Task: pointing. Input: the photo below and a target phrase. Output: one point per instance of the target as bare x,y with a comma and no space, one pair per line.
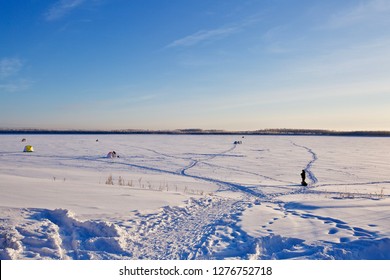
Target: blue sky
216,64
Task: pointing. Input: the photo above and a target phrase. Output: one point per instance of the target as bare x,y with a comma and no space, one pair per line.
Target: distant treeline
196,131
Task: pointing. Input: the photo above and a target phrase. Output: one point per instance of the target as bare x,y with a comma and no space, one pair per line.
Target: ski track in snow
194,162
204,228
308,167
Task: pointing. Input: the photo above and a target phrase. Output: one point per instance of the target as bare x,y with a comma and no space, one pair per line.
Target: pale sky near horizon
215,64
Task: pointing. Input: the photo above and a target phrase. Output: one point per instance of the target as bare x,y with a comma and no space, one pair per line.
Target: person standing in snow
303,176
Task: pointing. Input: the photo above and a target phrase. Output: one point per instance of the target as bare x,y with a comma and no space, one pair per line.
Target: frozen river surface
194,197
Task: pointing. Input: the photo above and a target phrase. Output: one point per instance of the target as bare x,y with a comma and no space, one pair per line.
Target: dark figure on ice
303,176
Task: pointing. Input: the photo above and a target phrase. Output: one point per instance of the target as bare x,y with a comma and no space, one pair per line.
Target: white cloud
276,41
203,36
364,11
9,67
15,86
61,8
10,80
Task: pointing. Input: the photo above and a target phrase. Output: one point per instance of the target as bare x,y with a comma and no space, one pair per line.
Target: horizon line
192,131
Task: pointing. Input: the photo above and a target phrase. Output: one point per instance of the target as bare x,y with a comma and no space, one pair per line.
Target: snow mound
57,234
10,245
86,239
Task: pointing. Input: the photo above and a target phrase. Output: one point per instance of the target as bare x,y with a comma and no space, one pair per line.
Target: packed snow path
191,232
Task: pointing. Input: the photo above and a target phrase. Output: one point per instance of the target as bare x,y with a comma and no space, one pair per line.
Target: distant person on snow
303,176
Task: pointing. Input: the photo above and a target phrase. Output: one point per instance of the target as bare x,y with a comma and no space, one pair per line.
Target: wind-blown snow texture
194,197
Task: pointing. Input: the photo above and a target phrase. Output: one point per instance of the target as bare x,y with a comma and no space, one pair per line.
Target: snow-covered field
194,197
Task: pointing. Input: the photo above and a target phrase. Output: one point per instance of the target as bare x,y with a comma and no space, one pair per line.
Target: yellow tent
28,149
